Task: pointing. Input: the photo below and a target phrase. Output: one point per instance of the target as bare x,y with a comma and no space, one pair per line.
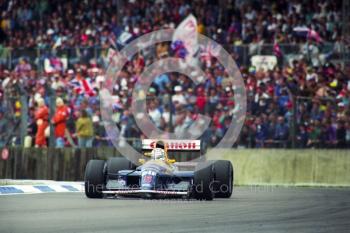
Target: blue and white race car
157,176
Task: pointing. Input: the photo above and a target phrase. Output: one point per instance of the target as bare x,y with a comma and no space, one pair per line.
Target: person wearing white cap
178,97
341,111
70,75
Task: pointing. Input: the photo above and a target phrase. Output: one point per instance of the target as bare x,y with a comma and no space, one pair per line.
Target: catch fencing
9,57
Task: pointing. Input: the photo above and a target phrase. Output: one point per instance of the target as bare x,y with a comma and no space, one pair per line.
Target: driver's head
160,144
159,151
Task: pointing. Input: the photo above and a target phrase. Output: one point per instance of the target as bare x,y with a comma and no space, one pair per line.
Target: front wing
143,191
179,189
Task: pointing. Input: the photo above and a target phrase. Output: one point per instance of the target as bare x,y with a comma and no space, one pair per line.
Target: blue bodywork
155,176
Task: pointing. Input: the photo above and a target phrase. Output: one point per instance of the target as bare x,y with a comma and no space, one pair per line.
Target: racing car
158,176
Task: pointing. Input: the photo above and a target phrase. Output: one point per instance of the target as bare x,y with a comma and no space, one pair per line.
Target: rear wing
180,150
191,145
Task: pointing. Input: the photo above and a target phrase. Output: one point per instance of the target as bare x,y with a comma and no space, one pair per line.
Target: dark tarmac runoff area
250,209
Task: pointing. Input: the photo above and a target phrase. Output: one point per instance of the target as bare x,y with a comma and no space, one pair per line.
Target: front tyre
223,179
203,180
94,178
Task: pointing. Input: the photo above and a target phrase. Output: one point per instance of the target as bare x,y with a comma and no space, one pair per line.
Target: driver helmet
158,153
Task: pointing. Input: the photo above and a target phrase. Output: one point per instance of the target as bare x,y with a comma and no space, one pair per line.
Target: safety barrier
252,166
289,167
67,164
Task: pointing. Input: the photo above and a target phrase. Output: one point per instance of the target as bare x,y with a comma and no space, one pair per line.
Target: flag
112,40
186,32
111,57
307,33
82,86
312,34
208,51
277,50
124,38
119,38
179,49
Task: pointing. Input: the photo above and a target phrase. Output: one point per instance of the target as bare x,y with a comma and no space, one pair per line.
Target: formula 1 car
158,176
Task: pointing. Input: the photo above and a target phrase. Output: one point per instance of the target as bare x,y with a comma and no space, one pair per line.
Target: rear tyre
203,180
116,164
223,179
94,178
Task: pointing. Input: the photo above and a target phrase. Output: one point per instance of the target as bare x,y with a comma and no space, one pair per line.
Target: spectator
315,134
347,136
101,137
23,66
281,131
41,117
330,133
59,121
154,113
302,137
341,135
260,132
84,130
178,97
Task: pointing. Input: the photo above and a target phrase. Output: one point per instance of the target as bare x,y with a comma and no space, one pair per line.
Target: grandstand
60,49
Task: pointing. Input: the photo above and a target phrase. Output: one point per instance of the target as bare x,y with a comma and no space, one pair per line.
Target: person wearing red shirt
59,120
41,117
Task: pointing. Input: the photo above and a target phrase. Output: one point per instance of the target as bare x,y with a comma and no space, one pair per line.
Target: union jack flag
208,51
82,86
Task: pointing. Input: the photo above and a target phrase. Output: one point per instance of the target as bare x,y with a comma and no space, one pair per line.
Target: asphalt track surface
251,209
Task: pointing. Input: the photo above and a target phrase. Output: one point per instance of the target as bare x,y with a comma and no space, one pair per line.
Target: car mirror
142,161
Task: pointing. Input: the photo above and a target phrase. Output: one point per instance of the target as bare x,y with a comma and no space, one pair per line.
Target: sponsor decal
147,179
177,145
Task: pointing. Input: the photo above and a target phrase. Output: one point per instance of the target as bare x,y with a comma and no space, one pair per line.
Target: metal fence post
171,127
52,108
294,120
40,67
24,118
293,123
10,59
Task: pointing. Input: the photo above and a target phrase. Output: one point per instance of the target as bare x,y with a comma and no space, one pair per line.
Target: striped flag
308,33
312,34
187,33
209,51
82,86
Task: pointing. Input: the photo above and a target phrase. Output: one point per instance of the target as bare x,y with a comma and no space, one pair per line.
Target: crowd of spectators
310,104
67,24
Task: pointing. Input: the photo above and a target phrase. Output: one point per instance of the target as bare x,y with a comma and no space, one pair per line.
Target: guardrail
304,167
67,164
50,163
